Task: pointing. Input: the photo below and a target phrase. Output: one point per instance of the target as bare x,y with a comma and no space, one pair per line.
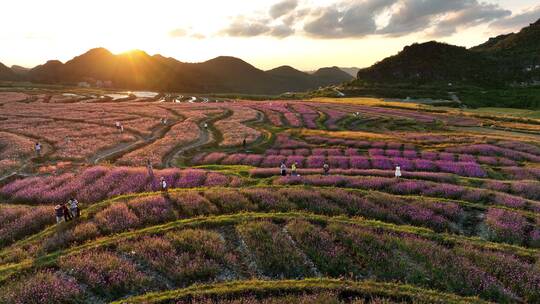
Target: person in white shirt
38,149
73,205
398,171
163,185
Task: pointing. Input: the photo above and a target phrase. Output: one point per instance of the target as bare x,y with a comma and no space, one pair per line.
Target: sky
305,34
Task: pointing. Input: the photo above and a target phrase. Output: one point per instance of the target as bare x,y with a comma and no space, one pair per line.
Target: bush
116,218
104,272
229,201
44,287
152,209
192,203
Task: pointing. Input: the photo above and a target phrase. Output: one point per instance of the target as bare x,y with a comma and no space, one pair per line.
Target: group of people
325,169
67,211
294,169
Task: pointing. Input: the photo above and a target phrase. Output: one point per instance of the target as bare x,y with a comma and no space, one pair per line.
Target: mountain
19,70
329,75
6,73
138,70
429,62
503,60
320,78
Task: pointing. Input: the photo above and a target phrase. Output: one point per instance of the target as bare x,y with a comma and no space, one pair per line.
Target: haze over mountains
138,70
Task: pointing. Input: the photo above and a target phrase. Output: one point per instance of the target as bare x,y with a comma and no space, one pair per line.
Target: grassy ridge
363,289
7,271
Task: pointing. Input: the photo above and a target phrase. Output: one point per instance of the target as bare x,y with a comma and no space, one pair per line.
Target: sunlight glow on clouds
304,33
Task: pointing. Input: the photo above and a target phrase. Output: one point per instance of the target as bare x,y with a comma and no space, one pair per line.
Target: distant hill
503,60
138,70
6,73
19,70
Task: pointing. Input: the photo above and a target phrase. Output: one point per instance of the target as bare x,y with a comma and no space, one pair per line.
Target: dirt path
207,136
124,148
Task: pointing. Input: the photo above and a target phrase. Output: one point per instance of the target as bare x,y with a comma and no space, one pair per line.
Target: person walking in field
206,125
121,128
398,171
59,212
67,214
283,169
326,169
293,169
74,207
38,149
117,124
163,185
244,143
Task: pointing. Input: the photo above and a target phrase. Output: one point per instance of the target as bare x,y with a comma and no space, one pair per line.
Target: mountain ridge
139,70
507,59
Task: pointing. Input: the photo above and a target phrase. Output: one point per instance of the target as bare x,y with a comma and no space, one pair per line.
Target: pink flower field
173,207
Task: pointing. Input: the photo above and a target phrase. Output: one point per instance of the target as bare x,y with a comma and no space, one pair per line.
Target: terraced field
461,225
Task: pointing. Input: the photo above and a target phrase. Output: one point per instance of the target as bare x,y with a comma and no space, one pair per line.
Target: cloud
281,31
478,14
517,21
253,28
416,15
360,18
184,33
197,36
349,19
246,28
282,8
179,32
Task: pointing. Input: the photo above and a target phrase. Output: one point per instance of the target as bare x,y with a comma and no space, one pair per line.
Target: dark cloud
517,21
246,28
358,18
417,15
251,28
281,31
282,8
349,19
475,15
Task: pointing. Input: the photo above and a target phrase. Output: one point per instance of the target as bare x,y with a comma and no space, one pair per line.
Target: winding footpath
206,137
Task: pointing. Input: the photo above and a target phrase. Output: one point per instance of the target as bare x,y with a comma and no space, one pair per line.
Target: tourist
283,169
326,169
121,128
244,143
398,172
117,124
67,214
293,169
59,211
206,125
74,207
38,149
163,185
